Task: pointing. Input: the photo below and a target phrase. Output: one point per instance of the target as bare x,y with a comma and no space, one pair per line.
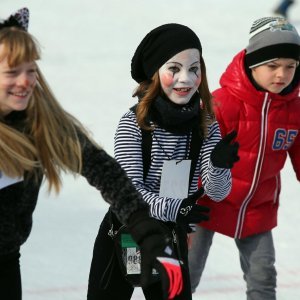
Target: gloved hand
190,212
225,153
155,242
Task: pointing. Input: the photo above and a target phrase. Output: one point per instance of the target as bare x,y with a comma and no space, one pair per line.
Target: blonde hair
49,140
147,91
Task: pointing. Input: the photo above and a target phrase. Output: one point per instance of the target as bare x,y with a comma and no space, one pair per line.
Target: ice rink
87,48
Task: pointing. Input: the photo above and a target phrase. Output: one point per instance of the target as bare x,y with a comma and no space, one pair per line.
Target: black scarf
175,118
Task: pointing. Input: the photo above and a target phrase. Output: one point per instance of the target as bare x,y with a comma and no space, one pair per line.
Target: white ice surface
87,47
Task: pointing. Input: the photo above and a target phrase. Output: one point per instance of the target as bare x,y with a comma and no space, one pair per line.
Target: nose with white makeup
185,76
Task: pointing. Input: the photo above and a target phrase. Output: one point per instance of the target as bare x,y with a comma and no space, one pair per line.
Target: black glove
225,154
155,242
191,212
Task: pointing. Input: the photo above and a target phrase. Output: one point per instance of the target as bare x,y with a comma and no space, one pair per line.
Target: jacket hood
237,82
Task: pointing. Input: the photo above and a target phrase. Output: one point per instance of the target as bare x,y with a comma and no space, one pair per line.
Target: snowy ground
87,47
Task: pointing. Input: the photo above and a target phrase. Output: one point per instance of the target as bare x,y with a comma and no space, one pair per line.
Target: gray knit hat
272,38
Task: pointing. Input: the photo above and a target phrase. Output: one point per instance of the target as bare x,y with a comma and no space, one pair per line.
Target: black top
18,200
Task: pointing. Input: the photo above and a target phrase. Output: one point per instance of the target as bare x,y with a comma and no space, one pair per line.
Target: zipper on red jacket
258,166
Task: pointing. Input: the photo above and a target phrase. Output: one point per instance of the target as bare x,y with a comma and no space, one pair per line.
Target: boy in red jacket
260,99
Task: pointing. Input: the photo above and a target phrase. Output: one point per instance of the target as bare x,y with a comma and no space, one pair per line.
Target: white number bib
175,178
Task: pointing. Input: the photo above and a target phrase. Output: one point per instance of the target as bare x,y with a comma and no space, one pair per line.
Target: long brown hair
147,91
49,141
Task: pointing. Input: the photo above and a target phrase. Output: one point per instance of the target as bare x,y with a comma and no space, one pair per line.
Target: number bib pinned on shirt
175,176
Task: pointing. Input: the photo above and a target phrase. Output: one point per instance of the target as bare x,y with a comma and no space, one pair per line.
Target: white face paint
180,76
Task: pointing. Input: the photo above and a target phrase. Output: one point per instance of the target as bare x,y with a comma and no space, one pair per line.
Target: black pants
106,280
10,277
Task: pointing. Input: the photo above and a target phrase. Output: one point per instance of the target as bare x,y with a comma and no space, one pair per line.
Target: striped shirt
167,146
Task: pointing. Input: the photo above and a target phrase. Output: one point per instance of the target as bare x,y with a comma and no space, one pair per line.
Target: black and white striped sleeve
216,181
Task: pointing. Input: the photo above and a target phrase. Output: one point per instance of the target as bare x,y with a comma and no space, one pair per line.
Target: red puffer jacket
268,128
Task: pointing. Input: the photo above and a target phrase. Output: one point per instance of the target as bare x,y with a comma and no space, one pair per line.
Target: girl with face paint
174,108
39,139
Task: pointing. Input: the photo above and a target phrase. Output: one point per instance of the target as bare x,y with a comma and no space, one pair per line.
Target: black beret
158,46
